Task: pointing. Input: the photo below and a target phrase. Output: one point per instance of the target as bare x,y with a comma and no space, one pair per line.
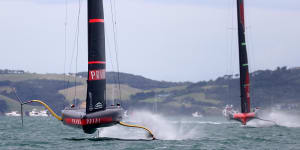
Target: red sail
243,60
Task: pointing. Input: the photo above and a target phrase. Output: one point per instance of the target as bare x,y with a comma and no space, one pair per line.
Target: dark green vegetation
268,88
31,87
136,81
280,87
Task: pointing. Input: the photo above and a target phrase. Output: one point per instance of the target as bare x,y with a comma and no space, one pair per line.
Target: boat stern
244,117
78,118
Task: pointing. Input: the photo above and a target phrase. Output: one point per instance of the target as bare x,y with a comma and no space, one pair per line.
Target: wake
276,118
162,128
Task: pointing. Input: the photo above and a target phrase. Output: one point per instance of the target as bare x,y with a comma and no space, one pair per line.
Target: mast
243,60
96,82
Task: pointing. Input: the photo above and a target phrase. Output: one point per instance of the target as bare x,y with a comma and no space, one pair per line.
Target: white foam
277,117
162,128
287,119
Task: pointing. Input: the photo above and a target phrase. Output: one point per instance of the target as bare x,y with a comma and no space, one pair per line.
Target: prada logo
96,74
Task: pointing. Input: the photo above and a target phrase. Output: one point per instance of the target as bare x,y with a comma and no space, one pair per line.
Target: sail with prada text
96,98
243,60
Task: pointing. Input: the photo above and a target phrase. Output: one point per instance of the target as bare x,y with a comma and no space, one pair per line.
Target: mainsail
243,60
246,114
96,98
96,114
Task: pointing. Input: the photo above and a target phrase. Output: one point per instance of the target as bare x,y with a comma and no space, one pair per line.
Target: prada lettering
96,75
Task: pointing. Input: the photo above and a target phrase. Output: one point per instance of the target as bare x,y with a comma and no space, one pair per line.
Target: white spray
162,127
277,117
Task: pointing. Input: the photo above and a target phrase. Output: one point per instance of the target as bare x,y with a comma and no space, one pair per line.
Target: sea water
183,133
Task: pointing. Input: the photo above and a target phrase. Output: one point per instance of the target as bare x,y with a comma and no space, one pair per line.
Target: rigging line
65,61
228,27
112,65
251,49
247,28
248,38
117,46
21,103
113,73
231,60
114,22
228,46
232,38
250,42
72,57
15,93
77,46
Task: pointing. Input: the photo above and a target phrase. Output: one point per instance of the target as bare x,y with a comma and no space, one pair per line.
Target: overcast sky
186,40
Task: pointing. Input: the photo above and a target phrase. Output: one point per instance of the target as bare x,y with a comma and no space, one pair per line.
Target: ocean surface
178,133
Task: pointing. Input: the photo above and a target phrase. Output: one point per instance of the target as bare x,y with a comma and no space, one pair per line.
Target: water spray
266,120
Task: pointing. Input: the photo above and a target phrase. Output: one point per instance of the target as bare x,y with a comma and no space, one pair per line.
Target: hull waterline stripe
95,20
97,62
89,121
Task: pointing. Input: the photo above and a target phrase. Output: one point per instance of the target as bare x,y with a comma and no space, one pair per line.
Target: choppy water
173,133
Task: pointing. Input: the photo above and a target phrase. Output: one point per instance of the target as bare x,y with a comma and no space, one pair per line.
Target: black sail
243,60
96,84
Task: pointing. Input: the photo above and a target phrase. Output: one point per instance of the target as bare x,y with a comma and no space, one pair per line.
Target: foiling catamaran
246,114
96,114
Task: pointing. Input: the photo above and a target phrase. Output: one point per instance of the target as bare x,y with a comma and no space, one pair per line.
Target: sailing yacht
246,113
96,114
36,113
13,113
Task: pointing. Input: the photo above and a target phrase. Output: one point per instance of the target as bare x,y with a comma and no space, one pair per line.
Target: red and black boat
246,114
96,114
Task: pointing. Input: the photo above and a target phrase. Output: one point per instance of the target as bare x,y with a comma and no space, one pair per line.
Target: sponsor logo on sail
96,74
98,105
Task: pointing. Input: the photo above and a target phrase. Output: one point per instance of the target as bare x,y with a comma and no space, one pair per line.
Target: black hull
78,118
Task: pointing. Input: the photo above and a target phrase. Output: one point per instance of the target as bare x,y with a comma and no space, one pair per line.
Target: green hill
136,81
268,88
58,90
